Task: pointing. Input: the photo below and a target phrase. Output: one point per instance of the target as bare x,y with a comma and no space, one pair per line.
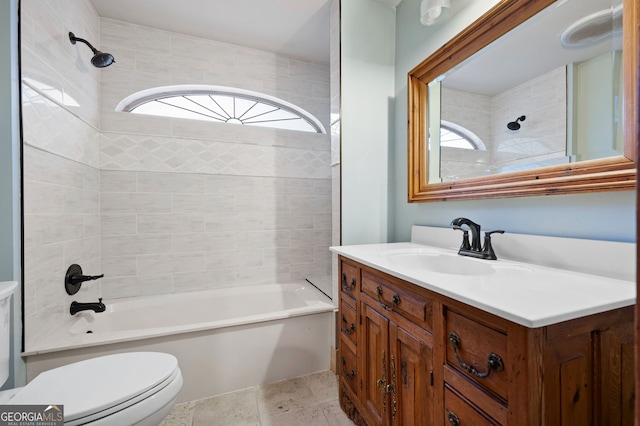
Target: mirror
520,142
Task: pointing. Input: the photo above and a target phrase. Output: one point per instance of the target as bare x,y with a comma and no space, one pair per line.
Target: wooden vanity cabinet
420,358
397,368
394,384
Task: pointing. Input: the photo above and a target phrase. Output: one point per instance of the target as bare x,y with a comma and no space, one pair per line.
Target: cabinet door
374,358
411,369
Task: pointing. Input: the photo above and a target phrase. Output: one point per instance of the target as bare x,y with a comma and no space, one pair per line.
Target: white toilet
137,388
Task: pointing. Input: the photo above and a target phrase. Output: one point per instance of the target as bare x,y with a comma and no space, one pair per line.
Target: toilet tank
6,290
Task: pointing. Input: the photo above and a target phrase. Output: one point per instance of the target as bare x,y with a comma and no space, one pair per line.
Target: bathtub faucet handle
73,279
77,278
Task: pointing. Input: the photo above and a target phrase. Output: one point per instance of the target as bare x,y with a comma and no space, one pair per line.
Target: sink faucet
473,227
95,307
474,249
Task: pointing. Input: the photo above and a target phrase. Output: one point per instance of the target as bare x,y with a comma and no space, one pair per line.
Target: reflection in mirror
598,150
547,93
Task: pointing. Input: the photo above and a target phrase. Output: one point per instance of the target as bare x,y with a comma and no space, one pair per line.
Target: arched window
221,104
455,136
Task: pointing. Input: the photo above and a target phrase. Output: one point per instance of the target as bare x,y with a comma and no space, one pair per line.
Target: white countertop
529,295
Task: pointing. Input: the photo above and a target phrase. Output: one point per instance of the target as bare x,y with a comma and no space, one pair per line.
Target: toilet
135,388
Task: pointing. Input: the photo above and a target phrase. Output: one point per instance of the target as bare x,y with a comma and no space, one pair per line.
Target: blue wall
602,216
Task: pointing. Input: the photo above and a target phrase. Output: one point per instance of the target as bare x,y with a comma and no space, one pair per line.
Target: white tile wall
60,94
49,60
149,58
161,154
241,205
203,231
161,205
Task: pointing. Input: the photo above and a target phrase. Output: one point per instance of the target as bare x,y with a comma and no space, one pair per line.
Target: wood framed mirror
608,173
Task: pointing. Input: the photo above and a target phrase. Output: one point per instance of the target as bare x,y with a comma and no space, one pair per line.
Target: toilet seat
100,388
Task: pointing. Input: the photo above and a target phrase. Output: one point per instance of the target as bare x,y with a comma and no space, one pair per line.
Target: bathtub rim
78,341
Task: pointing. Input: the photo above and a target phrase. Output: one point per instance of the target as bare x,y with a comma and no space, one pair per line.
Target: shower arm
73,39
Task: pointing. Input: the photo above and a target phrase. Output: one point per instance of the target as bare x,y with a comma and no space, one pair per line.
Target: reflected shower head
514,125
100,59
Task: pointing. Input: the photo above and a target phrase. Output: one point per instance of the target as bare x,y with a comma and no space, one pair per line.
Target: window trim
143,96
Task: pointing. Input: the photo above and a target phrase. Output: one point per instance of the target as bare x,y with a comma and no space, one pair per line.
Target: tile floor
310,400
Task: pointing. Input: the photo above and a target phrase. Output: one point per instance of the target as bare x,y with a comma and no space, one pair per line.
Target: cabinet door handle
391,388
382,382
395,300
453,419
344,328
494,362
346,287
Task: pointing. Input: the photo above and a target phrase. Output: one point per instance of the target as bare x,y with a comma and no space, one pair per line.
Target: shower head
514,125
100,59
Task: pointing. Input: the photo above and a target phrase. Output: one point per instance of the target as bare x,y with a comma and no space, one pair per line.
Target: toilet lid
98,384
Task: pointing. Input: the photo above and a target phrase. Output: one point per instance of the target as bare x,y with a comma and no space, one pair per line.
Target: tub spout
95,307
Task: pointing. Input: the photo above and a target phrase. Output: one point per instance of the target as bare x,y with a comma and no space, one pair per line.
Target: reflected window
455,136
222,105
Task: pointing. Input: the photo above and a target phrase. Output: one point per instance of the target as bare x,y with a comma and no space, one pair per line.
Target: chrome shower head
100,59
514,125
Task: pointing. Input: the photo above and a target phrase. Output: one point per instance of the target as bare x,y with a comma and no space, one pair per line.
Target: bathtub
225,339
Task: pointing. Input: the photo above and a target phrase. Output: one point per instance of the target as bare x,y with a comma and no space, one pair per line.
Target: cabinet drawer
478,352
348,327
349,279
460,412
415,308
348,367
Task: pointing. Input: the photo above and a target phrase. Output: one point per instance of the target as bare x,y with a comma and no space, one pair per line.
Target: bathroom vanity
428,337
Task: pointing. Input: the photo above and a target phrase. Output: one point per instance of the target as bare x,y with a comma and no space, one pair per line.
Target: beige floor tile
310,400
309,416
180,415
324,385
334,414
282,397
232,409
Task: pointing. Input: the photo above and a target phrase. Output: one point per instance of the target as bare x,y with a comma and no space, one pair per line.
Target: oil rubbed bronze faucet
93,306
473,248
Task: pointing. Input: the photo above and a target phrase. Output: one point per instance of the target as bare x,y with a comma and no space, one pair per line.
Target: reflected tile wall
541,139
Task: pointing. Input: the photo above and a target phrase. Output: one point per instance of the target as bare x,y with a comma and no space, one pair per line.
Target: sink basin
449,262
439,262
443,263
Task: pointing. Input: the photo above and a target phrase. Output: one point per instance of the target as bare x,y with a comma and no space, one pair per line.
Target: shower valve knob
73,279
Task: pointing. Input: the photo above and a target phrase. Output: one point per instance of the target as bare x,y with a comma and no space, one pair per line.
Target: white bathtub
225,339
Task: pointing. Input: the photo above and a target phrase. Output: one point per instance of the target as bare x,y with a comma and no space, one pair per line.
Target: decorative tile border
162,154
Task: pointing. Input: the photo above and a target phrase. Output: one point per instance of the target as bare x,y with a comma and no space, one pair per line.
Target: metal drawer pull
346,287
395,299
348,376
346,330
494,362
453,419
